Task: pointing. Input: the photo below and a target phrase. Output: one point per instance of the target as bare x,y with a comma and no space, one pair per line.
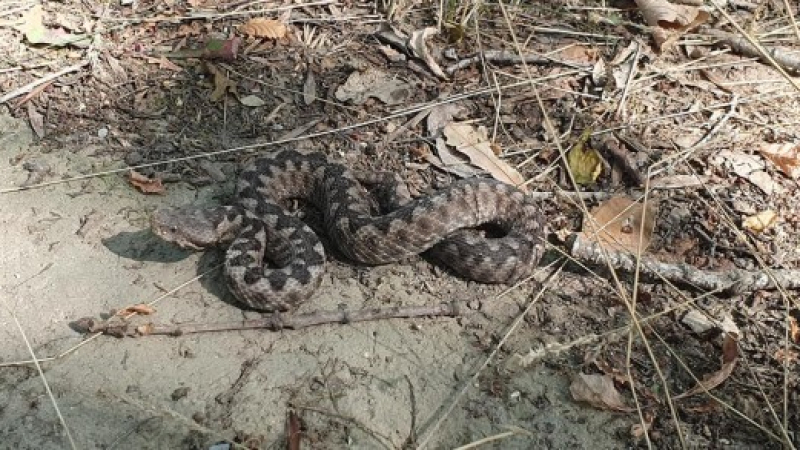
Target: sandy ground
82,249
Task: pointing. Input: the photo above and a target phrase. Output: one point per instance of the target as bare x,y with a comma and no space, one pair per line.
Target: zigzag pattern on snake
274,261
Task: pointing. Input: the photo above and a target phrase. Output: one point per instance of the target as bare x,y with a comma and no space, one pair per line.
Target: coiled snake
257,227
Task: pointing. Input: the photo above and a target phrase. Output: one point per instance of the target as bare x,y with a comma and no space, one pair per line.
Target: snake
483,229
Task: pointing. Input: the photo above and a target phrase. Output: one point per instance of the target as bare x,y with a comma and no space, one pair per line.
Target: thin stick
213,16
32,85
275,322
758,47
44,381
97,335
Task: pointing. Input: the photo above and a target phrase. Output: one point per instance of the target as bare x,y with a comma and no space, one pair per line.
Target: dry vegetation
675,148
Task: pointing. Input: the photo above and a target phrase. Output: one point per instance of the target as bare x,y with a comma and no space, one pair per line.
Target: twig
507,57
32,85
273,322
734,281
205,15
623,157
786,59
621,112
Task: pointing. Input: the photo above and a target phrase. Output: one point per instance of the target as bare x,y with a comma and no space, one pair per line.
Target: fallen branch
733,281
274,322
789,60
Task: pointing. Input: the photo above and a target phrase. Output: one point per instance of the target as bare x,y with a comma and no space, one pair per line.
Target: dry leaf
417,45
36,120
309,88
785,156
448,161
584,162
668,21
617,224
785,357
474,143
261,27
794,330
252,101
360,86
698,322
639,429
730,353
679,181
761,221
144,330
36,33
598,391
145,185
164,63
616,374
222,84
140,308
440,116
751,168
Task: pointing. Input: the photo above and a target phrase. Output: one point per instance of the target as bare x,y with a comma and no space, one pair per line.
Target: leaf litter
657,82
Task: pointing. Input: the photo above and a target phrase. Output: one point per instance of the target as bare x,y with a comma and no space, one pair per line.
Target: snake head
189,227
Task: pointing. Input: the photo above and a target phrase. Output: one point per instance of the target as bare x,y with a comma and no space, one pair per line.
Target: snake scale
274,261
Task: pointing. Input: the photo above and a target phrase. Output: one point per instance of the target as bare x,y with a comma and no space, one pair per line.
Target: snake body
257,226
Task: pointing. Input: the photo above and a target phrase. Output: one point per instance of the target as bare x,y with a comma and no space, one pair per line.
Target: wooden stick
273,322
733,281
32,85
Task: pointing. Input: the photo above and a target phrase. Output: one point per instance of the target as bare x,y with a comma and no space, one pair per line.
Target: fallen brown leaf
794,330
222,84
36,33
598,391
418,45
617,224
474,143
36,120
751,168
668,21
730,353
785,357
785,156
139,308
373,83
144,330
639,429
145,185
261,27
